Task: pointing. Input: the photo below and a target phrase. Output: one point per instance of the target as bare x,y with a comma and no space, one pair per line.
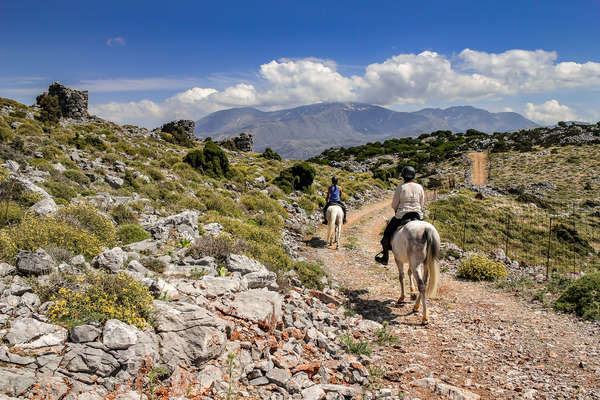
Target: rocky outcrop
73,103
173,126
242,142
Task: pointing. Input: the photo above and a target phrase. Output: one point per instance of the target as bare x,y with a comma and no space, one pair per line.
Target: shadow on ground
316,242
373,309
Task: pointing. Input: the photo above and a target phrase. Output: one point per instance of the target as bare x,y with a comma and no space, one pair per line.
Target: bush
219,247
269,154
154,264
32,233
582,297
101,296
50,109
87,217
298,177
11,214
60,190
6,132
77,176
122,214
480,268
132,233
309,274
211,161
178,136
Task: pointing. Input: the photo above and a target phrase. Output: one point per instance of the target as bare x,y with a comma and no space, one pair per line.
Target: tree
50,108
298,177
211,161
269,154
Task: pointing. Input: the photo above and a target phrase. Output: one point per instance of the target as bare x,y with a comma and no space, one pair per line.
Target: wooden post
548,249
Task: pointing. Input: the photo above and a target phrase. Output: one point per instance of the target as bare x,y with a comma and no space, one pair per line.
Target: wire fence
565,241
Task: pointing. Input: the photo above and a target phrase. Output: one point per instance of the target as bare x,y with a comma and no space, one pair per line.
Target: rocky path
479,173
480,341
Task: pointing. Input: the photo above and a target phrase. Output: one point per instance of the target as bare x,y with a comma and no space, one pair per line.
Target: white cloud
404,78
116,41
549,112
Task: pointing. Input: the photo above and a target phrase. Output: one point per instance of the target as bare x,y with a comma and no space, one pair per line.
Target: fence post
548,250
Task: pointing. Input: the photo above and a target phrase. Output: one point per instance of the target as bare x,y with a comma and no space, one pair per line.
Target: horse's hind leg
413,295
401,277
421,296
339,235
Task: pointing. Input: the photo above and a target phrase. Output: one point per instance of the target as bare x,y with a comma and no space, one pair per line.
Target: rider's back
409,197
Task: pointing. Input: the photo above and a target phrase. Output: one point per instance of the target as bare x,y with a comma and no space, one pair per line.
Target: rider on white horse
334,196
408,206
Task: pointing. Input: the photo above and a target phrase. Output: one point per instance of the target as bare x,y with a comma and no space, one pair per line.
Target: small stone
118,335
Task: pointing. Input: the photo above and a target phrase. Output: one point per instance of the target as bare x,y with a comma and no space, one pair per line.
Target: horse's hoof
413,296
416,308
425,321
401,300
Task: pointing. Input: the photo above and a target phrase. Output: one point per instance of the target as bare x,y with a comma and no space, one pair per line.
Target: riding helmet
408,172
334,180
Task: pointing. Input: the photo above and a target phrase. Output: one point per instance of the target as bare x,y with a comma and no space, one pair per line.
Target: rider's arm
396,199
328,194
422,198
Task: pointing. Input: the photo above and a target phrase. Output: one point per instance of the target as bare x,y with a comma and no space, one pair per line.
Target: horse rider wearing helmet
408,206
334,196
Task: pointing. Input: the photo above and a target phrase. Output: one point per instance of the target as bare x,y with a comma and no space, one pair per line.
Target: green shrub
298,177
77,176
480,268
122,214
269,154
132,233
211,161
354,346
215,201
156,174
50,110
310,274
257,201
87,217
11,214
154,264
100,296
582,297
32,233
219,247
179,136
6,132
60,190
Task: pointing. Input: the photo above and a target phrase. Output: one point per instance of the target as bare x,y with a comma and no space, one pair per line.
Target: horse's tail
433,253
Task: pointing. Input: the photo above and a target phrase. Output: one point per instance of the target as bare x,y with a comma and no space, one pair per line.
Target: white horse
418,245
335,218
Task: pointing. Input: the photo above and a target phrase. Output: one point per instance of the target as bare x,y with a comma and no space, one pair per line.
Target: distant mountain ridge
305,131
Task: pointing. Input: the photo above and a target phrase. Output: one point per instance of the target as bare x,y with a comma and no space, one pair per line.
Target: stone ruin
73,103
187,125
242,142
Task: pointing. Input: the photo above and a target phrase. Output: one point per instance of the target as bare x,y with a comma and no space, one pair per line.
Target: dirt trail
480,338
479,172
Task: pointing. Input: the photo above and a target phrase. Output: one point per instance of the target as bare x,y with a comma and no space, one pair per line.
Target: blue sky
147,62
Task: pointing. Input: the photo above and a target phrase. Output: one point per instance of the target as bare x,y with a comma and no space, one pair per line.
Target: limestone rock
37,263
189,334
242,142
112,259
445,389
90,360
73,103
118,335
44,207
84,333
114,181
187,125
15,382
244,265
260,306
184,225
6,269
28,333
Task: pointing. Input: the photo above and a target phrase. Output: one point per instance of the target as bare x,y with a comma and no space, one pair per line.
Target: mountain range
305,131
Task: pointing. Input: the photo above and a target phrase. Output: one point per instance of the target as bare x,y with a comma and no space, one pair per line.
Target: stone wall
73,103
242,142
